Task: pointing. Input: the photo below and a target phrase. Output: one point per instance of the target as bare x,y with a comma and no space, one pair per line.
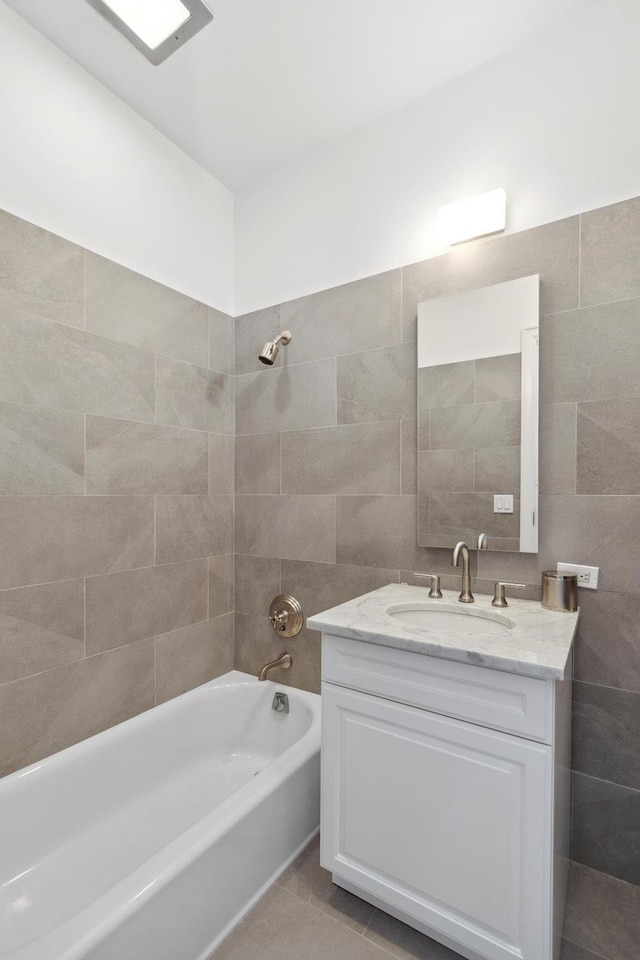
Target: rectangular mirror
478,418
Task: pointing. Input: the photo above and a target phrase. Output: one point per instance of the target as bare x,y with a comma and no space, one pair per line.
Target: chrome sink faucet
462,550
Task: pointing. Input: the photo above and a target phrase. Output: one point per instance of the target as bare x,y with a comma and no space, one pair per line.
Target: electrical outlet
587,576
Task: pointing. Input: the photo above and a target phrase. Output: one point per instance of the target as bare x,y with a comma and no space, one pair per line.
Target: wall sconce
157,28
476,217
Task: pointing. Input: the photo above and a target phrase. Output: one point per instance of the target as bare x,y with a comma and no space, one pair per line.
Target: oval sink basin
445,617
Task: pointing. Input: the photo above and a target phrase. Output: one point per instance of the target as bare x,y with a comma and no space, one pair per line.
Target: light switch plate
503,503
587,576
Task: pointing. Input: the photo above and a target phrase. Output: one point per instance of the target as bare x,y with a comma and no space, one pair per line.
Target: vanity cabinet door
443,821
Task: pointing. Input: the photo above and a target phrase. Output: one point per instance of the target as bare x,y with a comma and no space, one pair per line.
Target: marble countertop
537,642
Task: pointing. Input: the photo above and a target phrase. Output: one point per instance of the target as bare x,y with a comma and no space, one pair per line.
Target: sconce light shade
476,217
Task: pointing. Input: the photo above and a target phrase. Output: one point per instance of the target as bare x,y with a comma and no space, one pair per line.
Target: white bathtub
150,840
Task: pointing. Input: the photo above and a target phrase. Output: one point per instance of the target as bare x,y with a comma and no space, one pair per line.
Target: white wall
75,160
555,123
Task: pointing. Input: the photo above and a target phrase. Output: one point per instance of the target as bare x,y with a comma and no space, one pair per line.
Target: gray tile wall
116,493
117,410
326,474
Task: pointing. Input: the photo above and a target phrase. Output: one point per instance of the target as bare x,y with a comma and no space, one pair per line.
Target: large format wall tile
47,712
608,447
221,463
289,398
610,251
293,527
377,384
193,655
377,531
606,733
258,463
41,451
409,456
125,607
319,586
603,914
221,342
128,457
550,250
52,365
257,643
591,353
601,531
607,649
189,527
356,458
192,396
252,330
257,582
221,585
40,627
126,306
557,449
606,827
59,538
40,273
347,319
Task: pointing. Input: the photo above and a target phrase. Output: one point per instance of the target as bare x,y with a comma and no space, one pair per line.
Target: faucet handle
499,598
434,583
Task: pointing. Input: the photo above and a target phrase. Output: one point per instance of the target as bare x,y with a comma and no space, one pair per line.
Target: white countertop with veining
537,644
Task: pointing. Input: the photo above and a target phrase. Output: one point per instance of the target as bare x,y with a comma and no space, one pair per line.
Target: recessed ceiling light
155,27
152,20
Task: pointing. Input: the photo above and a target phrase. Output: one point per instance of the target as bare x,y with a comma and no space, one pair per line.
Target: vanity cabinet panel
442,822
502,701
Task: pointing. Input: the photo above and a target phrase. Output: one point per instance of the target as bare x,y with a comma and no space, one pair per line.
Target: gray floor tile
309,881
570,951
404,942
283,927
603,914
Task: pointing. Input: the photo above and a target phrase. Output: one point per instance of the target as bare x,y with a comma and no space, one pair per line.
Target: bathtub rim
99,918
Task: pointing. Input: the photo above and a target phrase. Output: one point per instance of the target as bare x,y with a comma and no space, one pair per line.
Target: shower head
270,350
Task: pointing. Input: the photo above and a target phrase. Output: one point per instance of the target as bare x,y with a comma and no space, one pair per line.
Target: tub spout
285,660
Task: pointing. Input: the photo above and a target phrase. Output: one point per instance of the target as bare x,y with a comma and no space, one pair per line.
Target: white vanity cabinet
445,796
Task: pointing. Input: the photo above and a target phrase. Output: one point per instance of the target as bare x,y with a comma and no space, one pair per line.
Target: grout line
579,260
85,454
84,614
575,456
598,956
209,588
606,686
84,289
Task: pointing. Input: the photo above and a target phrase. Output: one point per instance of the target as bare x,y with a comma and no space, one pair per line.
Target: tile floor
303,916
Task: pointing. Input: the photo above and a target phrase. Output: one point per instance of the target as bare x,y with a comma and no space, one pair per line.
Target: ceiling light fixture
476,217
157,28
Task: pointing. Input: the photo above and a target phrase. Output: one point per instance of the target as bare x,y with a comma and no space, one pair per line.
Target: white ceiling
270,79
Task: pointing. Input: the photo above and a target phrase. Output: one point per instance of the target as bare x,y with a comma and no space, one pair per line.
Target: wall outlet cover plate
587,576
